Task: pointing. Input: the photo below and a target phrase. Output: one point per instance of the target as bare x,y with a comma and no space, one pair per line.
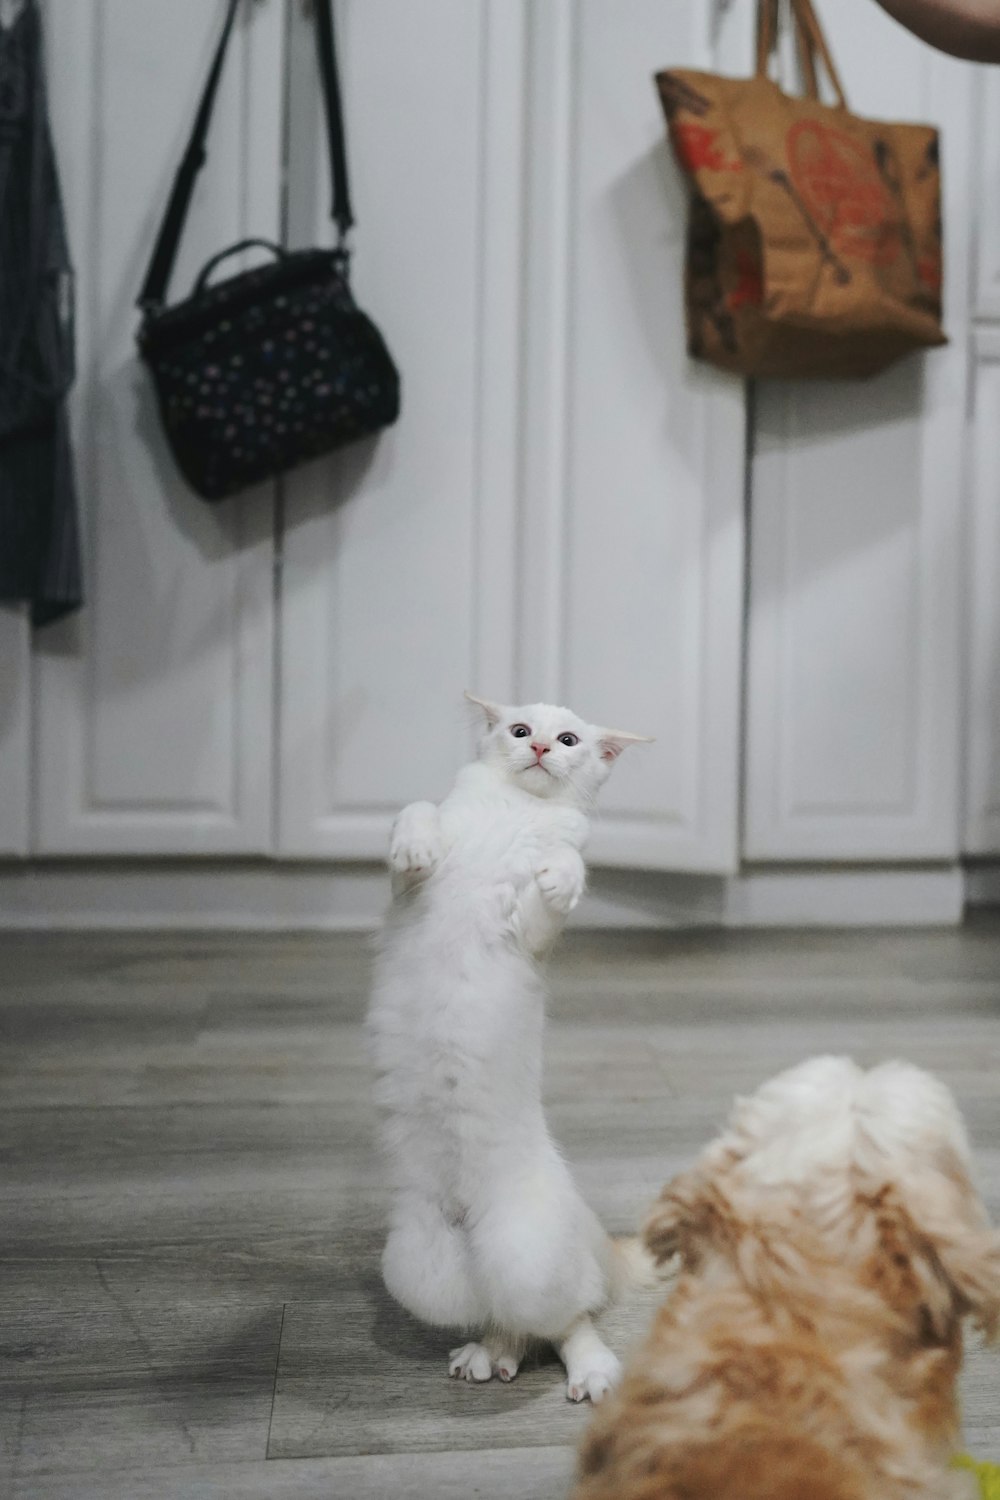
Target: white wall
854,729
982,616
557,513
152,706
560,510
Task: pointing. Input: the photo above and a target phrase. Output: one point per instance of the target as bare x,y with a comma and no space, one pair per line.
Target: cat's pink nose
540,750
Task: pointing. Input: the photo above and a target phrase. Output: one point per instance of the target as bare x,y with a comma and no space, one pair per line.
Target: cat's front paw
415,849
561,880
416,858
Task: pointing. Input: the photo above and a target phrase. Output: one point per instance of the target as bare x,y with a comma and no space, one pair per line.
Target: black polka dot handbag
266,369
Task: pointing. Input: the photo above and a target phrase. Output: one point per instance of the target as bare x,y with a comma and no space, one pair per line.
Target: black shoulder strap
154,288
326,47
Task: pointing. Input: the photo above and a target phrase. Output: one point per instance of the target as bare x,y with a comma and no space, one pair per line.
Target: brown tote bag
814,239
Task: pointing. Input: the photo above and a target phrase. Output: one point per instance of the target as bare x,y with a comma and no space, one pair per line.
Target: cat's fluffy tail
631,1268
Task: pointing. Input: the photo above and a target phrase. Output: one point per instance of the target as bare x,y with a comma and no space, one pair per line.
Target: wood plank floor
191,1207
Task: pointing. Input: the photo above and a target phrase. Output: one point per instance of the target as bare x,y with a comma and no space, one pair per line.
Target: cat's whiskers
584,794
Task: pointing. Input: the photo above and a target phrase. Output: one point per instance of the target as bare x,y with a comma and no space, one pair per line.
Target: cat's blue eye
569,739
520,731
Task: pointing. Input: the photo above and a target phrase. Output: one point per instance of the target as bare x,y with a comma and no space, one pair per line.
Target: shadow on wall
836,467
246,519
651,210
845,453
650,213
138,492
657,899
817,410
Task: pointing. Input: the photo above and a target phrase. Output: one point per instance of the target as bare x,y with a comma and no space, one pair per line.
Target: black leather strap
240,245
154,288
326,48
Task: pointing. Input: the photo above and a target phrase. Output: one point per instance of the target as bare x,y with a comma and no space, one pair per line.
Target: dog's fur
830,1244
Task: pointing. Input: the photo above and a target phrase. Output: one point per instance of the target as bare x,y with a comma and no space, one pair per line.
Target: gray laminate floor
191,1207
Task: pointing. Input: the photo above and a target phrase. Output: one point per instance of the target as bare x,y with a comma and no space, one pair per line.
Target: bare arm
965,28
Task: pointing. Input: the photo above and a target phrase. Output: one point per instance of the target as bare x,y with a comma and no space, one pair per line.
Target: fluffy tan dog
830,1244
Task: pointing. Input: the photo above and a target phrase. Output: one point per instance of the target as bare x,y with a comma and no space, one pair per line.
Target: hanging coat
39,539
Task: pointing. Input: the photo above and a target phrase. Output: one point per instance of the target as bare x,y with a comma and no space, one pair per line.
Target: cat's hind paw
478,1362
470,1362
601,1374
506,1366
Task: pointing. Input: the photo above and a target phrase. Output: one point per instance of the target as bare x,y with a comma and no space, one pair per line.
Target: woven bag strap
813,40
810,41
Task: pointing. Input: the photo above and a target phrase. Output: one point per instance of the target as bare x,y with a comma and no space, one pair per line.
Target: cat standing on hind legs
487,1232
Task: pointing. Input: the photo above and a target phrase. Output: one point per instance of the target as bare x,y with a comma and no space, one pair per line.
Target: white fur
487,1230
826,1125
827,1117
829,1246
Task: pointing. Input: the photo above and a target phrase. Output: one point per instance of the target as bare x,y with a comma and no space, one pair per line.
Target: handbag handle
813,41
207,270
161,264
767,33
768,12
810,42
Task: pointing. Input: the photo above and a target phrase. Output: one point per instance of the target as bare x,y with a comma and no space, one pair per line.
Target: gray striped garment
39,539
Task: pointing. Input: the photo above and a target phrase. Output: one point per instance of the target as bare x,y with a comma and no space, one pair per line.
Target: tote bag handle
810,41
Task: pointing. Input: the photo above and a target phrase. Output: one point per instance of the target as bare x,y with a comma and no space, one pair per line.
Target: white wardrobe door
854,629
383,562
559,512
155,703
986,289
631,586
982,801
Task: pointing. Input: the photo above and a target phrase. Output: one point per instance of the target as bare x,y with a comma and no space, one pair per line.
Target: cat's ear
492,712
614,741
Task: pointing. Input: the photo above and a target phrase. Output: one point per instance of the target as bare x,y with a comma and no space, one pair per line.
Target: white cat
487,1229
